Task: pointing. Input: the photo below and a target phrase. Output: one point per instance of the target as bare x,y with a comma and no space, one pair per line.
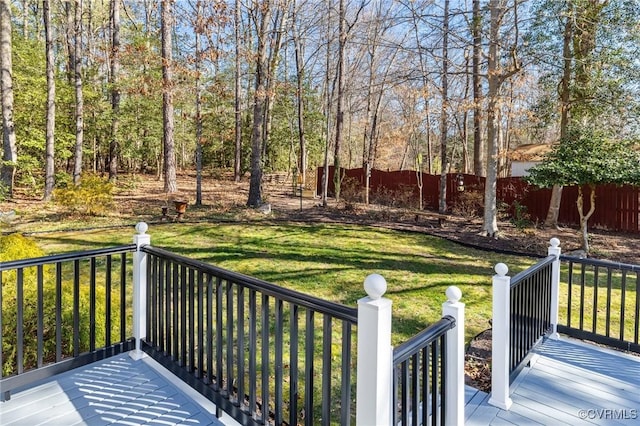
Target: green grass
331,262
608,302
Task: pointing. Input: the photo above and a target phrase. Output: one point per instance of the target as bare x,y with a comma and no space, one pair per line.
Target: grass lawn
331,262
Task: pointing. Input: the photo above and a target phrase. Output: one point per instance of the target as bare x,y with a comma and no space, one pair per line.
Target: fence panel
617,207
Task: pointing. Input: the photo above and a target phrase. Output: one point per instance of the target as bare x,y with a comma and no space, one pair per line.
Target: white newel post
454,373
554,249
500,339
375,356
140,288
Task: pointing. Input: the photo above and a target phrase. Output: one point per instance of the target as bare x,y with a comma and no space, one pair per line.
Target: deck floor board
567,378
115,391
572,383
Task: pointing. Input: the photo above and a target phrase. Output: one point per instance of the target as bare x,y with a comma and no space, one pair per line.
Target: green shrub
93,196
521,218
13,247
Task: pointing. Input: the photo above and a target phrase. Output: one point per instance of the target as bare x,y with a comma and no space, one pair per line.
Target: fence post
454,373
554,249
375,361
500,341
140,288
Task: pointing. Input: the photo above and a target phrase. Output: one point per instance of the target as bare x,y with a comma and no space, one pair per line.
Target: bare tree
262,16
49,179
342,41
115,90
279,17
442,205
237,162
10,154
379,66
199,28
166,23
496,76
478,146
328,97
300,75
75,62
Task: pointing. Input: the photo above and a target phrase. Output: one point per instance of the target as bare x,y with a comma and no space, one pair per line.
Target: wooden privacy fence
617,207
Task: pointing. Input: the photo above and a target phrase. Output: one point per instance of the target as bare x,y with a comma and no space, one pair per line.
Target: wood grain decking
116,391
570,383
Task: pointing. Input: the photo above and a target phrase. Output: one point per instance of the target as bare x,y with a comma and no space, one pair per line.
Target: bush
351,190
404,196
469,204
93,196
521,218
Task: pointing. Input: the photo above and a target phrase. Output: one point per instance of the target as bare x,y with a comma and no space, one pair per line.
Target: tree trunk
270,77
584,218
442,205
490,225
565,109
115,90
259,105
10,154
166,21
478,146
49,172
237,159
197,30
327,107
302,158
77,73
342,39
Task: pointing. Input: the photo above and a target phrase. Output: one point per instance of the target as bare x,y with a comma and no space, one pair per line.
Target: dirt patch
478,362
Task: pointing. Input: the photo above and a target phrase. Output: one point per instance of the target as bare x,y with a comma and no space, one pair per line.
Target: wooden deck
117,391
569,383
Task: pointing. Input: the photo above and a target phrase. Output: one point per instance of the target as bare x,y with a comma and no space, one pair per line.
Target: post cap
554,242
375,285
141,228
453,294
501,269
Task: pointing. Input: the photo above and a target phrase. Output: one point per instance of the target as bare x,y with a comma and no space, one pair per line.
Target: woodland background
113,87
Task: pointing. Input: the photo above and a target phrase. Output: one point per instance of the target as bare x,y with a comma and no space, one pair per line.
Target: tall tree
237,159
76,62
199,28
497,74
10,153
262,16
586,57
115,89
424,73
300,76
342,41
279,17
380,63
478,146
49,179
166,27
444,121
